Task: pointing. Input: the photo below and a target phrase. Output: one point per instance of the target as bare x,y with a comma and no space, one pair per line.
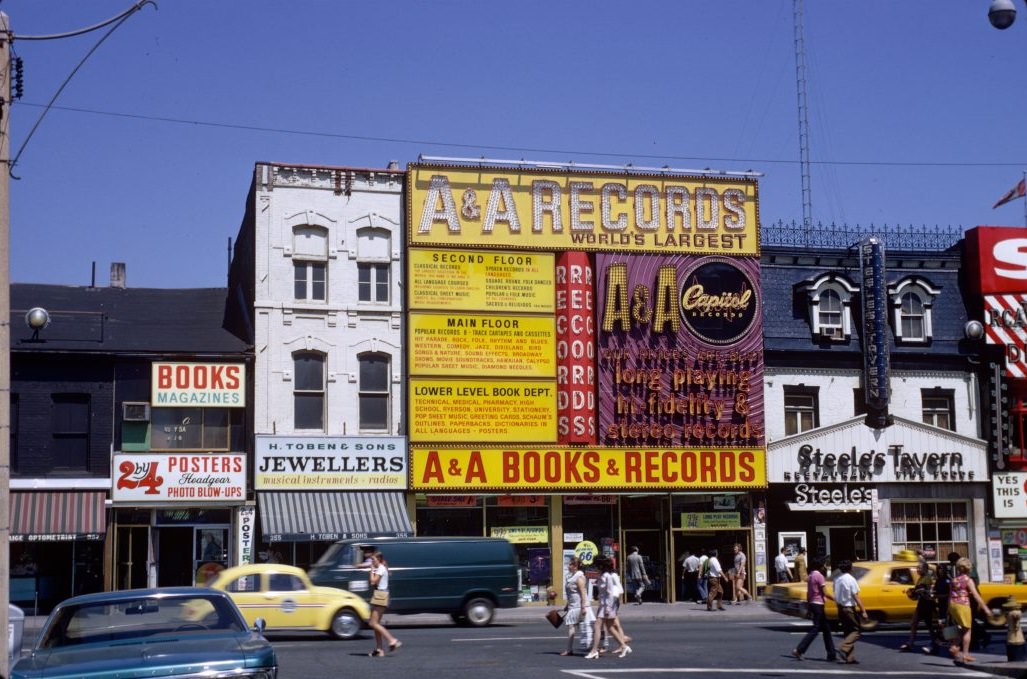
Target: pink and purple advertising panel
680,351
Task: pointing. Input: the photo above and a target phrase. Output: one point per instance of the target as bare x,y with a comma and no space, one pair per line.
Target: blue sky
916,109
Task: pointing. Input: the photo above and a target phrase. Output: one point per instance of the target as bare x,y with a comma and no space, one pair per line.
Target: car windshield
106,621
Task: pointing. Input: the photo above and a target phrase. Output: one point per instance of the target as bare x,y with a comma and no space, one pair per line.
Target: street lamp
1002,14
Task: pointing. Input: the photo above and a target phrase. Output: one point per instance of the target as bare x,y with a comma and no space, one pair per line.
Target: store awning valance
58,516
308,517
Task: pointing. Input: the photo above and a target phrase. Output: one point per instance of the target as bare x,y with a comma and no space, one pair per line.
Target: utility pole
5,336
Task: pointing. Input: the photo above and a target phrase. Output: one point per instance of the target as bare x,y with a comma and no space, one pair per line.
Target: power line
521,149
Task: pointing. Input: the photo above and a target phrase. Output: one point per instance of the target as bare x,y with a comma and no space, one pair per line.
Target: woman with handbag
962,590
379,602
578,610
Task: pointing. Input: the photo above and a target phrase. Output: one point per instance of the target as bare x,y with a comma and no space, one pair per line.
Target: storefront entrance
842,542
131,556
653,548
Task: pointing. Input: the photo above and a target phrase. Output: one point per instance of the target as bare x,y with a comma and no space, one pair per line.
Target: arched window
911,300
911,316
309,390
310,263
830,309
374,392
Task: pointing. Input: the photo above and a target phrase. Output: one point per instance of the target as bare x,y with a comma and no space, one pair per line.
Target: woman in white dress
578,608
610,591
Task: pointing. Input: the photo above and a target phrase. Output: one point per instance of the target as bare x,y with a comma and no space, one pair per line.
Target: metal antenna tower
798,13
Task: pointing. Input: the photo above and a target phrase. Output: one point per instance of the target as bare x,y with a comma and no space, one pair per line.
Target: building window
935,528
911,300
374,392
911,317
830,310
309,391
373,283
801,410
939,408
189,429
70,428
829,298
310,280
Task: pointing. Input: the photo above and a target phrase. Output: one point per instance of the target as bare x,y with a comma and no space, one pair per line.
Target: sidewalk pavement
993,662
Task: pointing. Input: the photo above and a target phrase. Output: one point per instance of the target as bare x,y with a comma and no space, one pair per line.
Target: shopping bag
555,617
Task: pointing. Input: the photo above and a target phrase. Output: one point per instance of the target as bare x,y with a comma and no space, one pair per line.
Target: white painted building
317,276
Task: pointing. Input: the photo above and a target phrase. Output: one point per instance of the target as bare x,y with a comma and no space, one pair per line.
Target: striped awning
58,516
309,517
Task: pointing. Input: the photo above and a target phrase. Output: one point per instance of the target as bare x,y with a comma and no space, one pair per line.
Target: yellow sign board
585,469
710,520
522,535
474,280
482,410
567,210
475,345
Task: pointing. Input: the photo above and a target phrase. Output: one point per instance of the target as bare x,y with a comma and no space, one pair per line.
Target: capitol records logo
718,301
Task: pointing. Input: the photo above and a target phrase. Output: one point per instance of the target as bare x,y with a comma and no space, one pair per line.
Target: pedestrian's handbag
951,632
380,597
555,617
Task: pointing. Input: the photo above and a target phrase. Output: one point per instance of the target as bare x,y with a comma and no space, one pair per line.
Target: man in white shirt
846,595
690,568
701,582
714,576
784,573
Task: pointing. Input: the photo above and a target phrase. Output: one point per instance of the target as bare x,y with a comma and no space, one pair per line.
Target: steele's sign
894,464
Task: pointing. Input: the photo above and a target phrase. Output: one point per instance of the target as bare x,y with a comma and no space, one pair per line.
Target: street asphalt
753,611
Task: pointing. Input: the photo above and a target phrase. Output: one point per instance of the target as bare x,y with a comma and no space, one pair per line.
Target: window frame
367,395
206,443
373,285
300,395
793,413
308,280
57,433
926,293
948,396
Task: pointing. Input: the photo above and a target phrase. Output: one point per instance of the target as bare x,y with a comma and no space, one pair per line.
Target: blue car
164,632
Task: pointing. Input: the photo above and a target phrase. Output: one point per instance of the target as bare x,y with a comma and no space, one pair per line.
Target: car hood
163,656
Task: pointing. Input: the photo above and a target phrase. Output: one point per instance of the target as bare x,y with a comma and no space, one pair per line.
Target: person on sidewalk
784,573
579,615
636,574
816,597
801,571
714,582
690,568
846,595
738,591
963,591
610,590
923,594
704,570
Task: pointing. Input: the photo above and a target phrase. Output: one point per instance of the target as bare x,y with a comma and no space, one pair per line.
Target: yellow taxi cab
287,601
884,589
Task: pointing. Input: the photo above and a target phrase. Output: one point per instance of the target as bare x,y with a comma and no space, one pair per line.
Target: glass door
131,556
210,552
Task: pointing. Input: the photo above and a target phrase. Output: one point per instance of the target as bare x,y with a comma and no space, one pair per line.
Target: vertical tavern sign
204,385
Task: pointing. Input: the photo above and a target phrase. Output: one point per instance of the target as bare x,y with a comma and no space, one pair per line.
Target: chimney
118,275
393,165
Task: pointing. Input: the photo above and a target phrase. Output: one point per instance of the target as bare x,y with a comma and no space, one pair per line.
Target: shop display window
934,528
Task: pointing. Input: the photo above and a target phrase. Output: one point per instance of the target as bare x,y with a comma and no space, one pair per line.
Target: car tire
346,624
478,612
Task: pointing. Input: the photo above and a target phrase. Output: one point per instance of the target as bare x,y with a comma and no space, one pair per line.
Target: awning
58,516
309,517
